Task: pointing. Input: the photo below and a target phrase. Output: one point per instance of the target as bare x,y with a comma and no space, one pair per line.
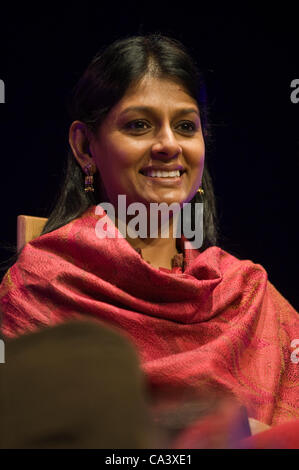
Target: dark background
248,58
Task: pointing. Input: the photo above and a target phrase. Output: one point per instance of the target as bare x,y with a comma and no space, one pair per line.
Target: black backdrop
248,58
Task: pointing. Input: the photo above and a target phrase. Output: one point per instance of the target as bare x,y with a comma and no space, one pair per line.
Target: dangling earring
88,178
200,192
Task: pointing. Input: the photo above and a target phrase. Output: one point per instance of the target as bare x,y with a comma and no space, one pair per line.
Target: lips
149,169
157,178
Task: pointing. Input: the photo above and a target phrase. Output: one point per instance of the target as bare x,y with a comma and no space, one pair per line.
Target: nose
166,144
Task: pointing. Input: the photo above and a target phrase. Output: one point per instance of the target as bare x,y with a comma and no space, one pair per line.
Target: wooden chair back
28,228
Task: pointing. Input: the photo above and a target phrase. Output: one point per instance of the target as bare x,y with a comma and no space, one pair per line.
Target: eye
189,123
138,125
133,125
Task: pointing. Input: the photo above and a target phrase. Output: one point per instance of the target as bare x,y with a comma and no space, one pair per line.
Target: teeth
163,174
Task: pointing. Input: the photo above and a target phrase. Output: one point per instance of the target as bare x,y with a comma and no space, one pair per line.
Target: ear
79,140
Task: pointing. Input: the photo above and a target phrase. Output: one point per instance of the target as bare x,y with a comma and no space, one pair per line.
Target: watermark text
295,353
2,352
187,220
2,91
295,93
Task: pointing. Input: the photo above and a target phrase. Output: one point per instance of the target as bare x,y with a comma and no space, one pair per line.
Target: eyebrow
150,108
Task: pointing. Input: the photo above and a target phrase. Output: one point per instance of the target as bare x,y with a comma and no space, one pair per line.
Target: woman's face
165,134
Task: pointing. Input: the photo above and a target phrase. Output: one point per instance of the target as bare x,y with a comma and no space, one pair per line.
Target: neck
157,251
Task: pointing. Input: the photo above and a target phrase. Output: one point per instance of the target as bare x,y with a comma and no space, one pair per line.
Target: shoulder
59,245
249,276
228,263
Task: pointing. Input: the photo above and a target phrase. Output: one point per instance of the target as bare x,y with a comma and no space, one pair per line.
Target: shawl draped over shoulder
218,322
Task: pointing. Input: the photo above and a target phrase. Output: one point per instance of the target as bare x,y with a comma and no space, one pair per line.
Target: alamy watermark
295,353
2,91
2,352
184,218
295,93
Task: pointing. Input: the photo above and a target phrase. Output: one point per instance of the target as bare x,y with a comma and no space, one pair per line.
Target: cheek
116,170
120,157
198,161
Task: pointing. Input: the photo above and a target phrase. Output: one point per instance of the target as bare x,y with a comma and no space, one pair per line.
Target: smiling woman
124,155
161,164
202,320
107,108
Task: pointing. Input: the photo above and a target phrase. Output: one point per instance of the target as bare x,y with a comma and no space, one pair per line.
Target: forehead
150,84
151,91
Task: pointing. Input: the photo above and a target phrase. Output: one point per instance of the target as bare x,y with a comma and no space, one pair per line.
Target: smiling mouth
155,174
164,178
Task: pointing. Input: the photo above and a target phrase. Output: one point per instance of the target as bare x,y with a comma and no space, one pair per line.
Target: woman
200,318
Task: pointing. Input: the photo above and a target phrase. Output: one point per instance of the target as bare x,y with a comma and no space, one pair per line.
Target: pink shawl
220,323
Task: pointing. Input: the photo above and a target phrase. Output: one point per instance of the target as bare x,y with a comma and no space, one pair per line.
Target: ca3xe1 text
154,459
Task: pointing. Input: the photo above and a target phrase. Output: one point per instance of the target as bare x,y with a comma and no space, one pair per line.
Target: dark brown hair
105,81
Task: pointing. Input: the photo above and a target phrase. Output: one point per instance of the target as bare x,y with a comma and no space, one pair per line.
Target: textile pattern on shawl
218,323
